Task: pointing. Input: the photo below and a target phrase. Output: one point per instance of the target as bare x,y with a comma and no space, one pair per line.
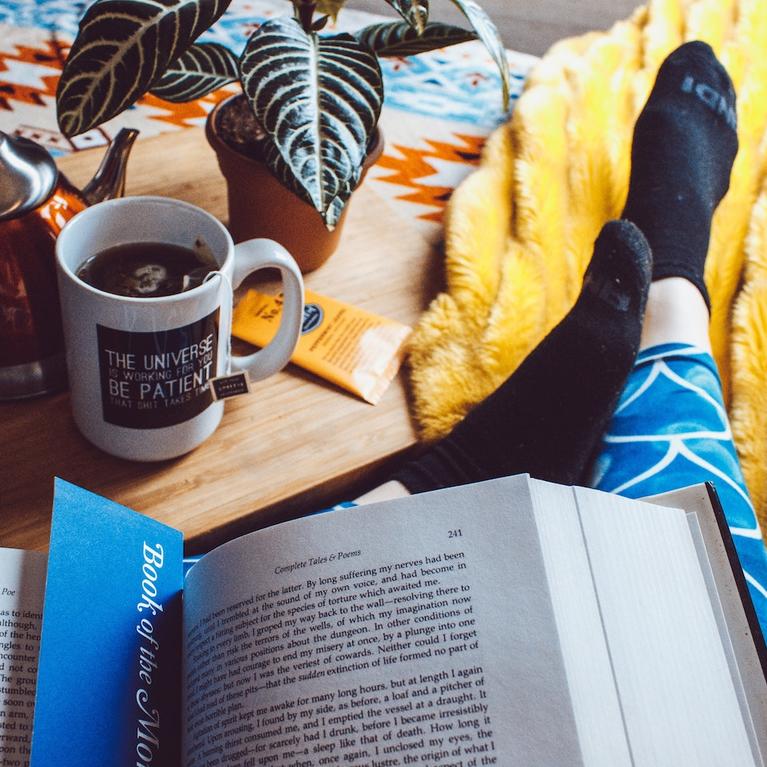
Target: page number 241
455,533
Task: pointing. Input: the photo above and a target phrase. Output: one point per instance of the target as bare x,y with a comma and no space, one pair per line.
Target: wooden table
291,447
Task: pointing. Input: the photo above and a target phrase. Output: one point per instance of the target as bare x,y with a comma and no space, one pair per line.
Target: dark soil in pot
238,128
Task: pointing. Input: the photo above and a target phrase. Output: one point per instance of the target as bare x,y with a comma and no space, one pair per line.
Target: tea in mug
146,269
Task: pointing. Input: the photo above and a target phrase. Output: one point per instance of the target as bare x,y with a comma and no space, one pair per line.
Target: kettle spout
109,180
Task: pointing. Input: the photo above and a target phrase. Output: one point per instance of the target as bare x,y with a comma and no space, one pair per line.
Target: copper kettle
36,200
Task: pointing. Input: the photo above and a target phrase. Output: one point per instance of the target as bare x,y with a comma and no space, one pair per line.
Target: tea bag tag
232,385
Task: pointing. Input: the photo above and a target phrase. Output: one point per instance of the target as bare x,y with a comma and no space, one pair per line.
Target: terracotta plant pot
260,206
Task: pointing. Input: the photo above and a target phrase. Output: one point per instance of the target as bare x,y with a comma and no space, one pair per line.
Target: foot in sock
548,417
685,142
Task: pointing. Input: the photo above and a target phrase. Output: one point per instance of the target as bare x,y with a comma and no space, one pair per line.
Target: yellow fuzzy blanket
520,230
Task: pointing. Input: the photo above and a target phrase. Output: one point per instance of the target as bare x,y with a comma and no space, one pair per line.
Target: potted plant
309,109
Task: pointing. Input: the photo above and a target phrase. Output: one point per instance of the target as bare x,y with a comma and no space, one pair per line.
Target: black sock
548,417
685,142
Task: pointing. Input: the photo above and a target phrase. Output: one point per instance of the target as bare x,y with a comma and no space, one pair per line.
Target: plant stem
305,13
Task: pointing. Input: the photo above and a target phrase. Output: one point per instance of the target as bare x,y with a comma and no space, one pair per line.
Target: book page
739,627
22,585
409,632
671,671
594,695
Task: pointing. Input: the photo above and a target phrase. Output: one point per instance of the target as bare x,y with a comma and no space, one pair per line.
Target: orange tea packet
355,349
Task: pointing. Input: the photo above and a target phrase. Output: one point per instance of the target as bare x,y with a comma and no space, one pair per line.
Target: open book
513,622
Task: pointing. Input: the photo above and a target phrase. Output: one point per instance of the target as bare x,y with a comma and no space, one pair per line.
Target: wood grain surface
293,445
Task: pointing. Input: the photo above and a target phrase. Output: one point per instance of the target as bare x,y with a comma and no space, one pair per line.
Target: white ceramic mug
139,367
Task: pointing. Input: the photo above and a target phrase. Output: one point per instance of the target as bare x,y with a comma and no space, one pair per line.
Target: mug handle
249,256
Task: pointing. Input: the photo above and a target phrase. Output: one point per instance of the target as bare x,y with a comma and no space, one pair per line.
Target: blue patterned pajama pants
669,430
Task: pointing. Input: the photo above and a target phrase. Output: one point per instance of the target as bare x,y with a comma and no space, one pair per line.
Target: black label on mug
157,379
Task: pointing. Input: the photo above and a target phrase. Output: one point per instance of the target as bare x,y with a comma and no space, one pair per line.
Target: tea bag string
230,308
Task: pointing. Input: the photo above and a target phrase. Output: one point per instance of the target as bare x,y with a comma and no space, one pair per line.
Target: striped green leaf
319,99
400,39
283,172
122,49
415,12
491,38
200,70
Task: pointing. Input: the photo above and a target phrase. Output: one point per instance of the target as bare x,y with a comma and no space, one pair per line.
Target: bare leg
675,313
386,492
